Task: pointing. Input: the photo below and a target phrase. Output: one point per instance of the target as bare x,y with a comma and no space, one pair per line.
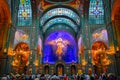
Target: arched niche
60,45
115,8
5,16
116,22
20,59
47,69
73,69
100,58
5,21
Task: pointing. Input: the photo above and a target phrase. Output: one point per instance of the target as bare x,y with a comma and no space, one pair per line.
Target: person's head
54,74
42,75
4,75
64,74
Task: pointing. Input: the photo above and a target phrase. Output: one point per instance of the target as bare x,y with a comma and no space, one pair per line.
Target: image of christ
61,45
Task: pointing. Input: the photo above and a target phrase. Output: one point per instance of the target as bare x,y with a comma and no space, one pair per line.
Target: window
25,13
96,12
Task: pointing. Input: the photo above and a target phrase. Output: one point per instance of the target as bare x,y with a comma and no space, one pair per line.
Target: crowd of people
55,77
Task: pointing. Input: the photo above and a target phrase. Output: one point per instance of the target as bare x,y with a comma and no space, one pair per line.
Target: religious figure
21,56
59,70
61,44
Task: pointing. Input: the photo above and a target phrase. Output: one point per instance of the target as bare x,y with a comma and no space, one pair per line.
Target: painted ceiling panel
46,3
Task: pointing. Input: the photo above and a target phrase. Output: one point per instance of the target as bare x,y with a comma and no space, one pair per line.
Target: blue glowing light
69,51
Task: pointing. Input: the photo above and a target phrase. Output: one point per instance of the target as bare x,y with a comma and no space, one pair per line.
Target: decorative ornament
96,12
24,14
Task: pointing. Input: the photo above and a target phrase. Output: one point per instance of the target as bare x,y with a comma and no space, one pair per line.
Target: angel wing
52,42
66,42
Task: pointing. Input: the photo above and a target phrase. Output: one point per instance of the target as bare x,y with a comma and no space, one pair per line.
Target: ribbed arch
62,21
61,17
60,12
57,27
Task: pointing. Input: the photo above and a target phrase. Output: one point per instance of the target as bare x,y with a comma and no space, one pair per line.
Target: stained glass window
60,12
96,12
59,20
25,13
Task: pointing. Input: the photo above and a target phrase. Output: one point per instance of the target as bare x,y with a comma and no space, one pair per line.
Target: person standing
65,77
4,77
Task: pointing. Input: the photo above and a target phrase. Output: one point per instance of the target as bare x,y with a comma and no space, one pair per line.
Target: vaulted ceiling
60,18
71,24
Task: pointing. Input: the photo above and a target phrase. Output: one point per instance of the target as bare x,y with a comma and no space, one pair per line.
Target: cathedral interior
60,36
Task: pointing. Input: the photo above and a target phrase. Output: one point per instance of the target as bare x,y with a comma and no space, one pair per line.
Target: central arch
60,45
